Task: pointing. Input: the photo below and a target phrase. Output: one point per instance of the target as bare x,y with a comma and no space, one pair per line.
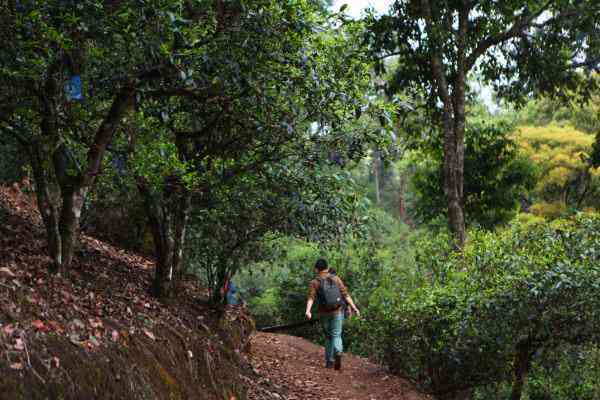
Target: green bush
483,316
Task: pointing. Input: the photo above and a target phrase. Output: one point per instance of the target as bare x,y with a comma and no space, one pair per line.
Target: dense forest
443,156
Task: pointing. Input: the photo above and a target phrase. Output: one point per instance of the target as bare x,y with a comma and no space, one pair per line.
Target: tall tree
518,46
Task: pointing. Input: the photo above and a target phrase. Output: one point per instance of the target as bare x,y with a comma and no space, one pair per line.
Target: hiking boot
338,362
329,364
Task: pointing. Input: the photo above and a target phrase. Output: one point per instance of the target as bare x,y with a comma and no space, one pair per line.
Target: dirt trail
291,368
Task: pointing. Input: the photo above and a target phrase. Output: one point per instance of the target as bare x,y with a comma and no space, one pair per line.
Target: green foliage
235,108
568,178
542,54
583,116
533,287
496,176
317,204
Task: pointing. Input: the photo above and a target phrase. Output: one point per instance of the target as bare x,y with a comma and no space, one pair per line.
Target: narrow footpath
291,368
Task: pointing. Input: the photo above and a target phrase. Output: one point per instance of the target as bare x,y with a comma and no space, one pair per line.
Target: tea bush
509,297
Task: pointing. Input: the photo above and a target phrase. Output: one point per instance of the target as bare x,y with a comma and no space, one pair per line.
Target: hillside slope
96,333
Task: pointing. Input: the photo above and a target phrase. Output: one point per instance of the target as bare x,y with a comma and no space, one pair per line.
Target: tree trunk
47,207
162,285
453,175
181,222
401,201
456,140
163,243
451,91
520,370
168,215
73,198
54,165
376,174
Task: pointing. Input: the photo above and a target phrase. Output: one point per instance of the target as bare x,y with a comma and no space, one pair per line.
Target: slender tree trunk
401,202
163,244
453,184
162,285
181,222
73,198
520,370
452,95
47,207
223,274
456,163
376,174
168,215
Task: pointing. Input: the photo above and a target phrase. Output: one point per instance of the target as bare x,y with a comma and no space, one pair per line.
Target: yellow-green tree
569,180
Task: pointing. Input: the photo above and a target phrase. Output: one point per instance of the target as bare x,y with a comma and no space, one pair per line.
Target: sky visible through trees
356,7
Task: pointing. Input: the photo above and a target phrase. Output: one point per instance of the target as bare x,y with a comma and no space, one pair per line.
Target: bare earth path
291,368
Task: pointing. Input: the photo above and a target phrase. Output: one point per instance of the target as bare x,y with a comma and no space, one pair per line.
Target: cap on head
321,264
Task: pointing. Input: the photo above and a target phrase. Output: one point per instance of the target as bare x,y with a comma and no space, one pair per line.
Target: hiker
230,292
330,292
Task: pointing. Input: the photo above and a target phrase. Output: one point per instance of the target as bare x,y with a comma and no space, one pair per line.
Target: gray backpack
329,294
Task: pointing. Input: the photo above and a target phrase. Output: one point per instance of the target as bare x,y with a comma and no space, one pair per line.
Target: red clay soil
291,368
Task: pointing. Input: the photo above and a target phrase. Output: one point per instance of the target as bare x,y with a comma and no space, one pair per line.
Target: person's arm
312,293
346,296
309,305
351,304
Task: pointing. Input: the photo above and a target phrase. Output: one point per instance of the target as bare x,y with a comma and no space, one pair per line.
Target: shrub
506,298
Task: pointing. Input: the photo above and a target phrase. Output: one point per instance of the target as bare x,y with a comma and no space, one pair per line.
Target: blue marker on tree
73,88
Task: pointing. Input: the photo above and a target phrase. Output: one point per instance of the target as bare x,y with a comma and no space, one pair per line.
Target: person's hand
308,315
357,312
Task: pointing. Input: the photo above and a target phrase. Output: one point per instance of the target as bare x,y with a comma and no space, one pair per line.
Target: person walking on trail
330,292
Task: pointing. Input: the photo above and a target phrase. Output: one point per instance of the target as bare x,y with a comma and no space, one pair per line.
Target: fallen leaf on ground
95,323
93,341
38,324
149,334
75,339
7,271
8,329
55,326
19,345
16,365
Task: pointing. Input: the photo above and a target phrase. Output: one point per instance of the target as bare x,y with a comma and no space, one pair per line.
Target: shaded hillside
97,334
